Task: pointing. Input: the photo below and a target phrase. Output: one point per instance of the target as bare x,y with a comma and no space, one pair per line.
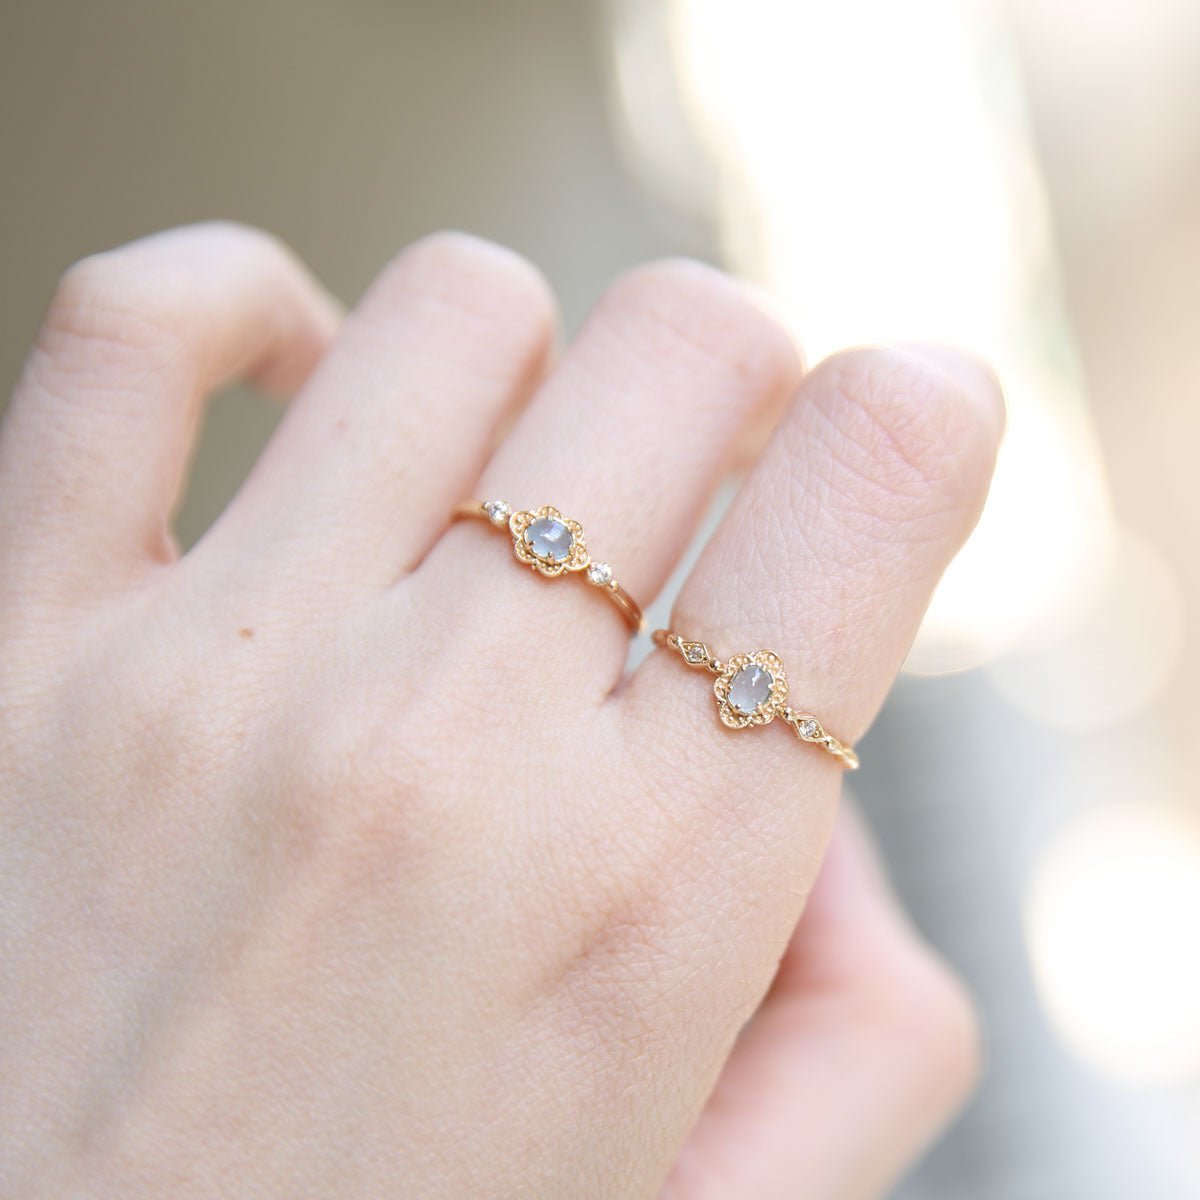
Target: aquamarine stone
750,688
549,539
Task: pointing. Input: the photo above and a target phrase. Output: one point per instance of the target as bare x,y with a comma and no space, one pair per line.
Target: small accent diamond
695,652
497,511
600,574
809,728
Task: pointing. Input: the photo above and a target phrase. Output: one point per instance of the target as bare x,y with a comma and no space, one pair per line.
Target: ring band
551,544
752,689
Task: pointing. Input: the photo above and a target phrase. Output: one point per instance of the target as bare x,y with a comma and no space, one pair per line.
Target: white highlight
1112,918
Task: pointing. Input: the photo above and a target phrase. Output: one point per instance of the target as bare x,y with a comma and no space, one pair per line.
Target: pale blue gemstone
549,539
750,688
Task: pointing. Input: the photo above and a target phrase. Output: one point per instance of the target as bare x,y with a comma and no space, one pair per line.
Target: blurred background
1021,177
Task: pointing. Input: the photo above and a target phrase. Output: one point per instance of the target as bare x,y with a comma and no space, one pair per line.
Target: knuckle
618,964
116,308
171,736
631,940
255,253
137,307
902,437
698,317
247,239
491,288
372,786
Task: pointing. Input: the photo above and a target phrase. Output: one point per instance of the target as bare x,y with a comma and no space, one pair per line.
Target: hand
337,857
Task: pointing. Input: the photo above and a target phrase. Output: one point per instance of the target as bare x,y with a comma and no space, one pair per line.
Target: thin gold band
564,548
759,674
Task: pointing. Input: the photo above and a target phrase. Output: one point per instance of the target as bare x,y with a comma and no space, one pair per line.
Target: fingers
829,555
834,544
97,439
630,434
863,1049
394,428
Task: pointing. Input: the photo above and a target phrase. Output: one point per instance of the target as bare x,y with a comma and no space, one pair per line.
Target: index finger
832,548
828,557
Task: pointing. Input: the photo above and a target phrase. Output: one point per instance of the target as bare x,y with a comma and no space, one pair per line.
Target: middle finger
629,437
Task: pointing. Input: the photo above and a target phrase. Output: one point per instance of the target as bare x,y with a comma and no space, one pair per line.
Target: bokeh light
1100,660
1112,916
934,197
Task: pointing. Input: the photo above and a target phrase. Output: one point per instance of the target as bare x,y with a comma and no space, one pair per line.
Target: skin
339,858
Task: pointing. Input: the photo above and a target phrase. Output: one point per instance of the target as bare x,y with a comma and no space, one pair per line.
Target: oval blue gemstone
750,688
549,539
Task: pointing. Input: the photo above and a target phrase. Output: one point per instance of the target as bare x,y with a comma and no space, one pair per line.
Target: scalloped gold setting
553,545
577,558
752,689
771,707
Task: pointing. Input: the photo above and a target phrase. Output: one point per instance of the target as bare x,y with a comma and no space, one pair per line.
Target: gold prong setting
548,542
751,690
497,512
807,727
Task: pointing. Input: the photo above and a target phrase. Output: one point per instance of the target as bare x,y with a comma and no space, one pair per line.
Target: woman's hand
336,856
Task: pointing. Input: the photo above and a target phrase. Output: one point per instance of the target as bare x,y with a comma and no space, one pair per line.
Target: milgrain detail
752,689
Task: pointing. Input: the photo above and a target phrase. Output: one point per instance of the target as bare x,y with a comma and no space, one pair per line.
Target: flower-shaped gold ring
752,689
552,545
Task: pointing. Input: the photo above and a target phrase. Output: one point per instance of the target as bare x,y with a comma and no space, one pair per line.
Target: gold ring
551,544
752,689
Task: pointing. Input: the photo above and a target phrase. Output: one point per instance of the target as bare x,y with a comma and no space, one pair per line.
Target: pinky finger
98,435
862,1051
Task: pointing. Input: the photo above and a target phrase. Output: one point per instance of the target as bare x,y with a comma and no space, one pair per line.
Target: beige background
348,129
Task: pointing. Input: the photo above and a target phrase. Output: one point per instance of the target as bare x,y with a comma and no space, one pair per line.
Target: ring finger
628,436
354,485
